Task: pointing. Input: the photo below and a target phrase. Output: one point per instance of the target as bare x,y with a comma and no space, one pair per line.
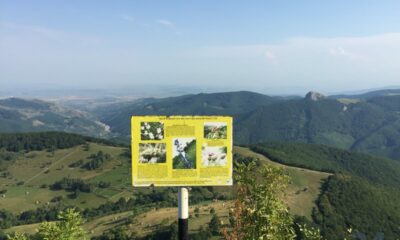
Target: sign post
182,151
183,213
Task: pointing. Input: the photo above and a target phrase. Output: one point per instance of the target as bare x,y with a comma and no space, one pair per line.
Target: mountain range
368,122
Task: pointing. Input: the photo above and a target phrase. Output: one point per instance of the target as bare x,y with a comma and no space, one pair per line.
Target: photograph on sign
181,150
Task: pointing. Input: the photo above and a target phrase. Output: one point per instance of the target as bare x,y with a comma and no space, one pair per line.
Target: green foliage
97,160
308,233
72,185
214,225
7,219
39,141
190,153
17,236
15,142
69,227
259,210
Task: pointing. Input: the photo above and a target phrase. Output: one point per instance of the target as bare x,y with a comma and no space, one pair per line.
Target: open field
46,168
31,175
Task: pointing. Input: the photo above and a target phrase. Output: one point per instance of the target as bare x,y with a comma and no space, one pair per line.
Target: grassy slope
300,201
41,167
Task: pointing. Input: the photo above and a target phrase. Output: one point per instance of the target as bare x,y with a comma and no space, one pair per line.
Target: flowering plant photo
184,153
152,130
215,130
152,153
213,156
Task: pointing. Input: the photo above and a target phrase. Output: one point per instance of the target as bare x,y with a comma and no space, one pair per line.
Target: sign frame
182,151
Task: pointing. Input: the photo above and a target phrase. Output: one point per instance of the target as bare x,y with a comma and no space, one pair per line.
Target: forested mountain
230,103
370,123
371,126
21,115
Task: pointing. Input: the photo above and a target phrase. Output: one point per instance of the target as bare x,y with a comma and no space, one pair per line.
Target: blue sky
270,46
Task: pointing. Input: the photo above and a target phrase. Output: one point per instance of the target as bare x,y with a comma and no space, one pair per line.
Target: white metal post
183,213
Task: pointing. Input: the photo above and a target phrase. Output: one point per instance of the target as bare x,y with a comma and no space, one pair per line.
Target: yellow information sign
181,150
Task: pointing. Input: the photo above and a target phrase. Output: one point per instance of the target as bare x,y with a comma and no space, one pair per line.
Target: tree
259,211
69,227
214,225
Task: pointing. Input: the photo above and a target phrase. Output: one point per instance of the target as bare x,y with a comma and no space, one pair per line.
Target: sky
274,47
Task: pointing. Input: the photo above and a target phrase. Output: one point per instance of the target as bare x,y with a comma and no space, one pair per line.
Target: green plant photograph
184,153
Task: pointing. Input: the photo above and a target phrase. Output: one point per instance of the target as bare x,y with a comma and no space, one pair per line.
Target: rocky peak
314,96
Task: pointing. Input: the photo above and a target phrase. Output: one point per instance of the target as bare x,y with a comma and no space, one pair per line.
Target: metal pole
183,213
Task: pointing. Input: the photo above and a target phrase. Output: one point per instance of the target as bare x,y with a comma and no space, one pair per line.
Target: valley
28,185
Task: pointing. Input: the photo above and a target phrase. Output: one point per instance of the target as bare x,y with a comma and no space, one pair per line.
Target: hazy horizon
150,92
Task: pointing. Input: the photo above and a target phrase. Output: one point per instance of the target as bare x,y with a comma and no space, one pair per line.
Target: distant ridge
369,94
370,125
23,115
231,103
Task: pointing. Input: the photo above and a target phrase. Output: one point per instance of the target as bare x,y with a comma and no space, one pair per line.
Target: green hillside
372,127
22,115
375,169
362,194
230,103
351,202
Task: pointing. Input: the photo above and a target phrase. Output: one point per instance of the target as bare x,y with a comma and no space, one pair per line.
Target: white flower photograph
152,153
152,130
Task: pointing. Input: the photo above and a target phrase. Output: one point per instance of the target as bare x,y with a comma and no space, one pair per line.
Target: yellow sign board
181,150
